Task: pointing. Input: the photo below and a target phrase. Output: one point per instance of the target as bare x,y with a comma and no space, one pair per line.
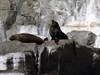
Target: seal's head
12,38
55,24
55,31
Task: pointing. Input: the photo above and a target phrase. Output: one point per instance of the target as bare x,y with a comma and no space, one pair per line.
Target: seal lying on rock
55,31
26,38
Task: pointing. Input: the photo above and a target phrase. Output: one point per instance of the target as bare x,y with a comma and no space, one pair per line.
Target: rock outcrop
85,38
50,58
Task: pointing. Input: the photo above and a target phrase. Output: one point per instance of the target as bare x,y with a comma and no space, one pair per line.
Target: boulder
85,38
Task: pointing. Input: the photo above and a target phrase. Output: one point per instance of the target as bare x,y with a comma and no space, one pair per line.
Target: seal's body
56,32
26,38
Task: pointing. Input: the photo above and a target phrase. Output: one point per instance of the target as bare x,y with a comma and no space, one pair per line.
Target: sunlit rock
3,61
2,37
97,45
85,38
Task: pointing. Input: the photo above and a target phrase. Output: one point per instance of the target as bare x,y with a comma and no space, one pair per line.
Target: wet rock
10,63
85,38
44,61
51,73
30,63
53,59
63,61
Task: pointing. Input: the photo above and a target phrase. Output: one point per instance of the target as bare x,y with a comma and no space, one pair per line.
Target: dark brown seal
55,31
26,38
57,34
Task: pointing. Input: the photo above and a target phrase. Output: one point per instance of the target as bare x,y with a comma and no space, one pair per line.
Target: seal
55,31
57,34
26,38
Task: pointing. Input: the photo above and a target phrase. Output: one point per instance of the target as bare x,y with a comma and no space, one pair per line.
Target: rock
18,12
10,63
30,63
1,38
63,61
53,59
16,46
85,38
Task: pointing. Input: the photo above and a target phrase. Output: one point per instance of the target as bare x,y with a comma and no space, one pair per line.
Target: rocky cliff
34,16
64,58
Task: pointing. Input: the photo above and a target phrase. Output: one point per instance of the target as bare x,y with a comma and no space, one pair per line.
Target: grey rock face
52,59
18,12
15,46
30,59
39,13
85,38
0,38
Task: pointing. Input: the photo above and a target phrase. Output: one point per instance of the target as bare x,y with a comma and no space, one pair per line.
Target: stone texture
18,12
15,46
71,15
50,58
85,38
30,59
